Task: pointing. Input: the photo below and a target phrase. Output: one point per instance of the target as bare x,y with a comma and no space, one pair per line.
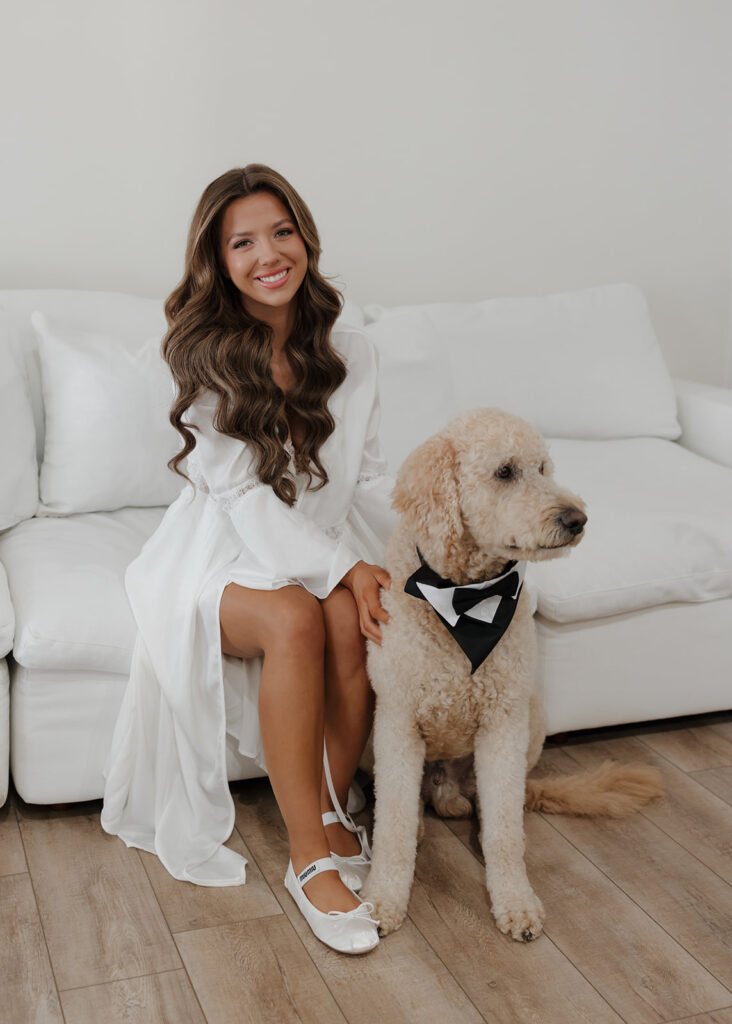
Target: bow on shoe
363,911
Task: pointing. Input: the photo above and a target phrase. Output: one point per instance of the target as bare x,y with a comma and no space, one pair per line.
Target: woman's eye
285,231
505,472
242,242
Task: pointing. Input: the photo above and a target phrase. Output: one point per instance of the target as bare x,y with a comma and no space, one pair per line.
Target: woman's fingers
371,613
369,627
383,577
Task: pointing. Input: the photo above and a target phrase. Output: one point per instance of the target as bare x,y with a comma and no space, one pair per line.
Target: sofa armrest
705,415
7,615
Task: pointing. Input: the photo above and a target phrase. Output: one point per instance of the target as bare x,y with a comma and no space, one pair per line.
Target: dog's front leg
500,769
399,753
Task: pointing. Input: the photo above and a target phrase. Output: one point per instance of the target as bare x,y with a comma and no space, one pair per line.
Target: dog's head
482,492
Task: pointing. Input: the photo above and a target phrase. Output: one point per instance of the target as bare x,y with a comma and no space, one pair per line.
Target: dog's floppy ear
426,495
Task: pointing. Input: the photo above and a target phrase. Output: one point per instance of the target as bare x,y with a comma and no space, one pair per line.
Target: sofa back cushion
583,364
18,467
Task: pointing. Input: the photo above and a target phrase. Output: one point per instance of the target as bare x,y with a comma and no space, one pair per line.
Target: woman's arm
371,510
280,541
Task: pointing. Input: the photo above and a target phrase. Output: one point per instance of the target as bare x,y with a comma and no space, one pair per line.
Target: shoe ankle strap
323,864
330,818
345,819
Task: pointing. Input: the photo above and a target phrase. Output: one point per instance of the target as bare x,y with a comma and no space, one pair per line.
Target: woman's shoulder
354,345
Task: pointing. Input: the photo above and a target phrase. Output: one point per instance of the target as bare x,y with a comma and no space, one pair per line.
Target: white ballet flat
354,869
349,931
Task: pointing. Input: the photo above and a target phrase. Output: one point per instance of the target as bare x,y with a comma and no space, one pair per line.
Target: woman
255,595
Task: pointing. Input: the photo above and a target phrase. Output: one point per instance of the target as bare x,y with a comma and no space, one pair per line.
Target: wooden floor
638,915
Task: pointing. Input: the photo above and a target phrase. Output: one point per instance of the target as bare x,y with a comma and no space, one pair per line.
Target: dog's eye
505,472
541,469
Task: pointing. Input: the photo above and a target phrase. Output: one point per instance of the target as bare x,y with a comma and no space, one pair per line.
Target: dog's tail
611,791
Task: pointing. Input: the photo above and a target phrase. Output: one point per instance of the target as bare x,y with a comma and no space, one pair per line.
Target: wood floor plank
100,916
641,971
256,972
717,781
690,902
697,819
644,973
155,999
717,1017
29,991
695,748
12,857
508,982
187,906
401,981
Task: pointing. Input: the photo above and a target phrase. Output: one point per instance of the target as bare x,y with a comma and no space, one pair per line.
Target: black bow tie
476,629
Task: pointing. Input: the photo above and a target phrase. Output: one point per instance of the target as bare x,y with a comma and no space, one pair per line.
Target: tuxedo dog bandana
476,614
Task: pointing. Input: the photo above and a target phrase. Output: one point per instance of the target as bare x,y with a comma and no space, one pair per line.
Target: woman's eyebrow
243,234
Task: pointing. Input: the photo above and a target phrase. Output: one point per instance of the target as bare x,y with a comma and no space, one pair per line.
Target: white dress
166,788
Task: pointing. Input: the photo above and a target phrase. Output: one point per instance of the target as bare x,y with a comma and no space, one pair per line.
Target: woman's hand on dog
364,581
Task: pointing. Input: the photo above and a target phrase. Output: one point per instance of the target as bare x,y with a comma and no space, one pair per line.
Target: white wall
448,150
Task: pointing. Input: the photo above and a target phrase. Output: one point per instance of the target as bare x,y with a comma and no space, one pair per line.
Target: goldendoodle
455,674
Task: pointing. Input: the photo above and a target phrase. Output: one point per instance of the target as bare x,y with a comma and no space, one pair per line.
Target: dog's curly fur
479,493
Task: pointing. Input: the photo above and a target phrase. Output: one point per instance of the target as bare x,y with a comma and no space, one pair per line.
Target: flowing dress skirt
166,785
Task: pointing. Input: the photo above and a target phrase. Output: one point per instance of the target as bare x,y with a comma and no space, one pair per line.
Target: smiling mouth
274,278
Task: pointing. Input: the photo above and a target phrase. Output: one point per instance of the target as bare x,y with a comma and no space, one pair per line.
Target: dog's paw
390,915
522,919
457,806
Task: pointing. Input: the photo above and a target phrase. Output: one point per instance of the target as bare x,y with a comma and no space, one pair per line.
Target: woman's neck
282,322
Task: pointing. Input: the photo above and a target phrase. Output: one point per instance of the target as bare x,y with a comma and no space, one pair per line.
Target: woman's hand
364,580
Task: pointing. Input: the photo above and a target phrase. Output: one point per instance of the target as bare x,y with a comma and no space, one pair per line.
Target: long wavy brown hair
213,343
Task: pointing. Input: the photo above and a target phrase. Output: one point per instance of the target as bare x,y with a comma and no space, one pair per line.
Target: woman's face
263,252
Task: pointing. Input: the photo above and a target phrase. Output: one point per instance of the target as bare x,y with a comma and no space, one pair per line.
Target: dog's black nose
573,520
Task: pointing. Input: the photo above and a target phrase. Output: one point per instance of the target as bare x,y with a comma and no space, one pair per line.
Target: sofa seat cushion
7,615
66,577
659,529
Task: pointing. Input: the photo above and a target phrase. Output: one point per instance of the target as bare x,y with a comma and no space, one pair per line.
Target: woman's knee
297,622
255,622
342,628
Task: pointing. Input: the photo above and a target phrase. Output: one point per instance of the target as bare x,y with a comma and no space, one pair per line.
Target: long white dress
166,788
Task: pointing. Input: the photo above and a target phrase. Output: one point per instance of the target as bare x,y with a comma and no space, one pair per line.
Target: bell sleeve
371,513
283,545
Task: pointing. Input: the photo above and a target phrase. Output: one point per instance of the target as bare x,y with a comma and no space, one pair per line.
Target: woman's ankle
304,854
342,841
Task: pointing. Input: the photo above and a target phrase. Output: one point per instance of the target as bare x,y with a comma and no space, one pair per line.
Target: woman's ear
426,495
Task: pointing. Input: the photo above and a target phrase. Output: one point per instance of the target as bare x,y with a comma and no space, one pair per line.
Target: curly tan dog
475,497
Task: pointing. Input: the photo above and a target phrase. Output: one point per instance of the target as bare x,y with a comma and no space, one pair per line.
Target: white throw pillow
108,438
18,466
582,364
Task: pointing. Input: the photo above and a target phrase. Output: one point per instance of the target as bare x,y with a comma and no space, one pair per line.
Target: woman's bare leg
287,627
349,706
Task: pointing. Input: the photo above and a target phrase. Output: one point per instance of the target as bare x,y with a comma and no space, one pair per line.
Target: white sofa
7,628
633,626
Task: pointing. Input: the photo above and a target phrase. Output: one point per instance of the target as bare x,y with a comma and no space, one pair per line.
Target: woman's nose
268,253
